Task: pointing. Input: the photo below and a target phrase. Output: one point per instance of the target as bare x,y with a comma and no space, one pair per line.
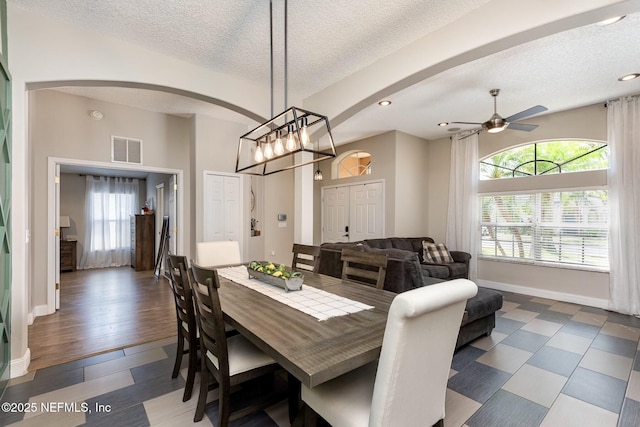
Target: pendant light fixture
293,138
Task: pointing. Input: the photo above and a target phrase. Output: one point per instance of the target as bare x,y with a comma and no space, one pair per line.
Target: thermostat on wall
282,217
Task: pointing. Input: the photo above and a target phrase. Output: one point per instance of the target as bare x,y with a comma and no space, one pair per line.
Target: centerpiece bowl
279,276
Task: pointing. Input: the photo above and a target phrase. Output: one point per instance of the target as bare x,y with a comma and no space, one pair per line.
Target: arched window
552,223
545,158
354,163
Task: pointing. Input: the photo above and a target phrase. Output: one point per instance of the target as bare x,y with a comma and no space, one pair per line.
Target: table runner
312,301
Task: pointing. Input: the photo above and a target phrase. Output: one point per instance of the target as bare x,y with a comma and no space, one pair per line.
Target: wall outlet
273,253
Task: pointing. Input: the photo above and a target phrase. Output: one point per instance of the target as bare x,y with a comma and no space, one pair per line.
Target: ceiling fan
497,124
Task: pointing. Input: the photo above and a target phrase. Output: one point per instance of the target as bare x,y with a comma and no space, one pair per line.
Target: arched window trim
535,161
335,164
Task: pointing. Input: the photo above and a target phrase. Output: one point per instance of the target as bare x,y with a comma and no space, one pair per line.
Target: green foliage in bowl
270,268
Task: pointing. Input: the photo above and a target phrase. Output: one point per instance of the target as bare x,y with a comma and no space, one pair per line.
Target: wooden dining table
310,350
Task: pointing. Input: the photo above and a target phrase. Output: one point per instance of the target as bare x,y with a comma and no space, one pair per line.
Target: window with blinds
564,227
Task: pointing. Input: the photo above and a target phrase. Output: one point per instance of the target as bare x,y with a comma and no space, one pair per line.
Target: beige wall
60,126
579,286
400,160
411,185
383,154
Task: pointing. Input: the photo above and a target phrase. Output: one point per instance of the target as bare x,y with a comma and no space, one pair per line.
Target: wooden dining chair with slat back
364,267
309,260
186,320
227,361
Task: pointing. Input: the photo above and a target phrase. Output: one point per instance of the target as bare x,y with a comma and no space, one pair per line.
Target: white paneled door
365,211
335,218
353,213
222,208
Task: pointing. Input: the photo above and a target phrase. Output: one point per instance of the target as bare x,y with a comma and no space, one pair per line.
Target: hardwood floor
102,310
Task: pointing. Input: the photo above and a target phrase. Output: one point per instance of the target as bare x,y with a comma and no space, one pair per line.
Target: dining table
312,351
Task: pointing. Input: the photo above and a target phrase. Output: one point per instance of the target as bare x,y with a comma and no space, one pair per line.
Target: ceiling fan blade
521,126
526,113
466,123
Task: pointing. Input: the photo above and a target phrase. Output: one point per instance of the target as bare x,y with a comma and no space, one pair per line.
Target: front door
352,213
366,212
335,214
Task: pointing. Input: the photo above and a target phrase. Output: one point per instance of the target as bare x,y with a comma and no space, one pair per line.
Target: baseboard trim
40,310
20,367
544,293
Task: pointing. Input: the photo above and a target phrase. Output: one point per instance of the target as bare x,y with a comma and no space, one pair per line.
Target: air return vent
126,150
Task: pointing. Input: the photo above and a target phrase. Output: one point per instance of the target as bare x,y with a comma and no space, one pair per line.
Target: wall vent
126,150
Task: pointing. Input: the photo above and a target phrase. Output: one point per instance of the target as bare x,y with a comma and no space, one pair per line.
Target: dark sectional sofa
407,270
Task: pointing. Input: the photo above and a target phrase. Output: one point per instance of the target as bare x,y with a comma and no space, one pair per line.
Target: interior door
222,208
366,211
335,214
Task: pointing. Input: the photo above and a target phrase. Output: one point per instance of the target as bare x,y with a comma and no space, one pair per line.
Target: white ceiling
332,39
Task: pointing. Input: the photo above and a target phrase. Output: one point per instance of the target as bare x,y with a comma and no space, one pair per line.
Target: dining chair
310,257
228,361
218,253
186,320
409,385
364,267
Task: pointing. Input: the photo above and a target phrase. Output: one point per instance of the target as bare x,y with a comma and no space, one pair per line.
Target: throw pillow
436,253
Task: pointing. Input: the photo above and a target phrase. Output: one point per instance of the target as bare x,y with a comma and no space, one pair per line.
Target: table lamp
65,222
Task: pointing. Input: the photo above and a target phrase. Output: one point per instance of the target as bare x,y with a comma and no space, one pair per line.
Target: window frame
535,230
568,181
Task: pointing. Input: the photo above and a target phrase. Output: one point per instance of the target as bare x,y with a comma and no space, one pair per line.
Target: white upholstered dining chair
218,253
410,384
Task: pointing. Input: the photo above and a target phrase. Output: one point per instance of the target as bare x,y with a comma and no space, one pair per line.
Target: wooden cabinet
142,242
68,255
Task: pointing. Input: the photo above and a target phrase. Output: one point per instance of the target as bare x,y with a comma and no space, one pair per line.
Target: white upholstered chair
410,384
215,254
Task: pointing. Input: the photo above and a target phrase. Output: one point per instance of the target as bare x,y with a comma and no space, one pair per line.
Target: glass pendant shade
318,175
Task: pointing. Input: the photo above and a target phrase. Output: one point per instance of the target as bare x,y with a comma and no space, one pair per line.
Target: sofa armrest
459,256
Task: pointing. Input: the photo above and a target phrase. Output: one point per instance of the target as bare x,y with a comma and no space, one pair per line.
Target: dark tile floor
547,363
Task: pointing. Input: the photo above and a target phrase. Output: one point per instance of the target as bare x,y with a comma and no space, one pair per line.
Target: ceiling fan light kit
497,123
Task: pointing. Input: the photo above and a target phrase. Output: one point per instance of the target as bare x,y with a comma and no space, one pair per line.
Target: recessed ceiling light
629,77
443,124
384,103
610,21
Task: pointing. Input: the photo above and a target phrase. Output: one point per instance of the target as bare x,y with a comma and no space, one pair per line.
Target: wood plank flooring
102,310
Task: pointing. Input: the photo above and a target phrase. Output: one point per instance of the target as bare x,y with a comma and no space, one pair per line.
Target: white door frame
53,210
322,189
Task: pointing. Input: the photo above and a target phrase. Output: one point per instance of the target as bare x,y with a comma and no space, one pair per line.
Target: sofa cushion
436,253
485,302
457,269
378,243
435,270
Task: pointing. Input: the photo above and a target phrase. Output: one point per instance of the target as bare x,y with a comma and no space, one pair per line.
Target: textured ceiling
332,39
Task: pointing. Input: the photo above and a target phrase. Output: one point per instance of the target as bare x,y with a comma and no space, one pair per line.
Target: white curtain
463,216
109,204
623,182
